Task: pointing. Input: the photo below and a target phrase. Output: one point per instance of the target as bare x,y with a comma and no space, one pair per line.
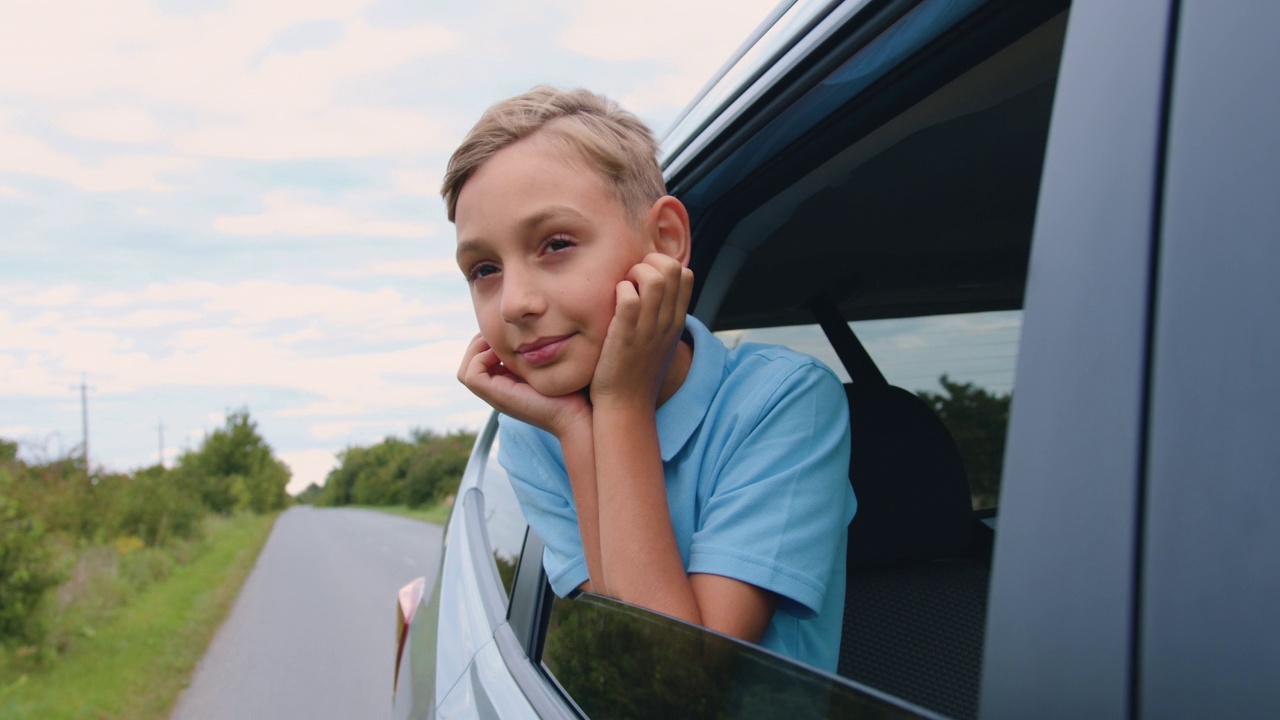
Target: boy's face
543,243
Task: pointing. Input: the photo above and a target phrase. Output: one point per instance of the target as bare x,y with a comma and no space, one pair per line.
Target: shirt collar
683,412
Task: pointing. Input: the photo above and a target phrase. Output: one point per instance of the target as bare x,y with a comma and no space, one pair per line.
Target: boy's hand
485,375
647,323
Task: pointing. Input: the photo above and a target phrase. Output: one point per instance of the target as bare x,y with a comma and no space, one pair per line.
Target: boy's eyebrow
554,212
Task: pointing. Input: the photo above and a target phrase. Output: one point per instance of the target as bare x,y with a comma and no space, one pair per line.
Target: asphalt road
312,634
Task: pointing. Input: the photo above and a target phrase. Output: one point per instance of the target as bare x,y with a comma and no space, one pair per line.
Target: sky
211,205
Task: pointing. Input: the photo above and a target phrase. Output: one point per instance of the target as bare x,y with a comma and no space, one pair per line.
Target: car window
504,522
962,365
616,660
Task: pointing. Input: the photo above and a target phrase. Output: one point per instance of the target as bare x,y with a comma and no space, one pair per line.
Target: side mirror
408,600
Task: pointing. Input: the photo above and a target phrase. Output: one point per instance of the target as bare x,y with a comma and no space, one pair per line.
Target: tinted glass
617,660
962,365
503,520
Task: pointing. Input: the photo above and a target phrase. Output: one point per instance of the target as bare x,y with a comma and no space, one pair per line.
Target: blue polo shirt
755,448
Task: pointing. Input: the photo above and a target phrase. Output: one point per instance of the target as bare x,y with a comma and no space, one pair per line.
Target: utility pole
162,444
84,420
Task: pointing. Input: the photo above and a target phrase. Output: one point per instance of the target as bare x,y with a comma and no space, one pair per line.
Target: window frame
743,648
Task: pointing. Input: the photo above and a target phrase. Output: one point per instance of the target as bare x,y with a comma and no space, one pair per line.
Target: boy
658,467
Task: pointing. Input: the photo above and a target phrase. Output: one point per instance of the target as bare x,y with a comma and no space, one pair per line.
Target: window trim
492,595
608,603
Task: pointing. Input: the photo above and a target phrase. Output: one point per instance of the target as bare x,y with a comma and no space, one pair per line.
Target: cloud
365,352
431,267
307,466
29,155
9,191
287,216
418,182
327,133
622,31
114,124
328,431
68,51
150,319
53,297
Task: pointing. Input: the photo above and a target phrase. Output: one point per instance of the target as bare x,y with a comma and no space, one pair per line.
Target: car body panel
1062,591
1210,638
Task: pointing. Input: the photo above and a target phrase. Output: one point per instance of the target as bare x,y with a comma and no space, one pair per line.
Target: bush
421,471
155,507
26,572
234,469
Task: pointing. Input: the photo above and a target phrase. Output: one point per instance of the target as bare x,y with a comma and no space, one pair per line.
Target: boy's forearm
638,549
578,447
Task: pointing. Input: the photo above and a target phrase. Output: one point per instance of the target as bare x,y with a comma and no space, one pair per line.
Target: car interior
914,197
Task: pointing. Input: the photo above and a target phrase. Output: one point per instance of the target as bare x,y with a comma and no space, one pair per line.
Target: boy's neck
677,371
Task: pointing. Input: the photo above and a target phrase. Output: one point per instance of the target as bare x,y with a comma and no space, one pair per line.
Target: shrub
26,572
155,506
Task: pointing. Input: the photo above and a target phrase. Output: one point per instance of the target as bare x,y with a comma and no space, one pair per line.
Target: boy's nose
521,298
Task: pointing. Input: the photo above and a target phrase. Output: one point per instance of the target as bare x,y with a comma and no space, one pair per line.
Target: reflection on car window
617,660
961,365
503,520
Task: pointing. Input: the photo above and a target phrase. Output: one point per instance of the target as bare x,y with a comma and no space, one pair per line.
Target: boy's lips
542,350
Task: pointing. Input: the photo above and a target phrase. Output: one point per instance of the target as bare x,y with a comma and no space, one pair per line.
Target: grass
135,666
437,514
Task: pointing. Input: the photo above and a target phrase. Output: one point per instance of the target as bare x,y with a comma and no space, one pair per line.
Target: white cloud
287,216
418,182
307,466
150,319
115,124
10,191
53,297
29,155
672,32
85,50
331,430
431,267
329,133
382,350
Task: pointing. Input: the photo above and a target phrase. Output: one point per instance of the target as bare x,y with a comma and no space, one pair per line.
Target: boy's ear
668,222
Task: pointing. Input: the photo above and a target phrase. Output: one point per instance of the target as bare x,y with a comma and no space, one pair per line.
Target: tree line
422,470
53,513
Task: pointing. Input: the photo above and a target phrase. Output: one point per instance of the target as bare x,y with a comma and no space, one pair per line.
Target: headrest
913,494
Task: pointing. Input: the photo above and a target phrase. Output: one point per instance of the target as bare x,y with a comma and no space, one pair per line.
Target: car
1040,240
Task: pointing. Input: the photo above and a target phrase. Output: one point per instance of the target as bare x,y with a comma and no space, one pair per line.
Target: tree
420,471
234,469
977,420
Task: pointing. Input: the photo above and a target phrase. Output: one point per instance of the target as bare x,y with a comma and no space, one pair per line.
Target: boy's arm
640,559
638,548
578,448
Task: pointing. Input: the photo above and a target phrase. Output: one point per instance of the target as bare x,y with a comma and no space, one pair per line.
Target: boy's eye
482,270
557,242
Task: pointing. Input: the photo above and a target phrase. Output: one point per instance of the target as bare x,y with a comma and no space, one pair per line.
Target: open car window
612,659
962,365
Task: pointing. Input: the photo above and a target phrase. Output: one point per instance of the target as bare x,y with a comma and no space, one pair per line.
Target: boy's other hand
485,375
651,304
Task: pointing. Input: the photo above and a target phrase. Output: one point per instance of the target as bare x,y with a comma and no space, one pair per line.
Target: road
312,633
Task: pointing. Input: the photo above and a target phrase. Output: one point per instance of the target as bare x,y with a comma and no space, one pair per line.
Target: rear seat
916,596
915,603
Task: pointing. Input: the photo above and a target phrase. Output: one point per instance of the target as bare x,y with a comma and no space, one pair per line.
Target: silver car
953,203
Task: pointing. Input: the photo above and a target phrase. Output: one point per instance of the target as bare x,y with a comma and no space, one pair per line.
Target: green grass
135,666
437,514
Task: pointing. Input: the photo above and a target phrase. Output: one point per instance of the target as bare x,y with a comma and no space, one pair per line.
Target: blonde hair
609,139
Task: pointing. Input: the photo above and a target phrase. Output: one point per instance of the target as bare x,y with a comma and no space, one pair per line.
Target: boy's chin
558,389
